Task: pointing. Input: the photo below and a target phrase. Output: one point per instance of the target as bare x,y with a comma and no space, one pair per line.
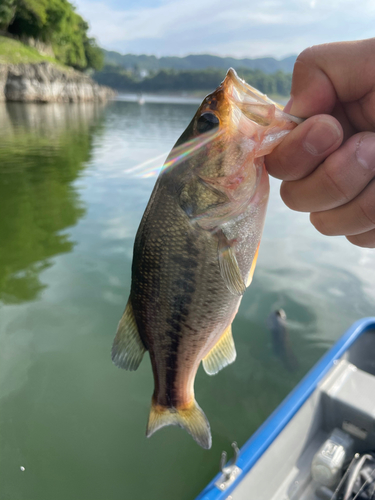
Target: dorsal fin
221,355
128,348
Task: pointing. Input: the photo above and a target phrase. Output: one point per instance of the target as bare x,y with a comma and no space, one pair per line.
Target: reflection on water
43,149
70,205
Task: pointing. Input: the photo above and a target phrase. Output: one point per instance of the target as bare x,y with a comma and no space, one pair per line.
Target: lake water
71,199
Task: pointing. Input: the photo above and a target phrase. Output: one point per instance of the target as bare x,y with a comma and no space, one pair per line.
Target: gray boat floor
346,397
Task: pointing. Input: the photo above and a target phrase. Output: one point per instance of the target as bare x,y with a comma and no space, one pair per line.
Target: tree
94,54
7,13
191,80
54,22
29,19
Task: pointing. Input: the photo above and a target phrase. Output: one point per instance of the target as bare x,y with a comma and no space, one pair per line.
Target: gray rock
3,80
45,82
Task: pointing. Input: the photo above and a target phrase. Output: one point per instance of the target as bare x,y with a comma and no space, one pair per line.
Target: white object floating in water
22,468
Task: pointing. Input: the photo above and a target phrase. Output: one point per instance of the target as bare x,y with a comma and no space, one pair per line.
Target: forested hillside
197,61
54,23
195,80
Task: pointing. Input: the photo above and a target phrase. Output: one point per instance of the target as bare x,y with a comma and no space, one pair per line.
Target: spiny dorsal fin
192,419
128,348
229,269
221,355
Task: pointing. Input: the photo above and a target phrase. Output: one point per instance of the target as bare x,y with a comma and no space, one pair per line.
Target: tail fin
192,419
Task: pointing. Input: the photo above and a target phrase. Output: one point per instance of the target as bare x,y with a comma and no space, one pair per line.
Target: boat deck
338,393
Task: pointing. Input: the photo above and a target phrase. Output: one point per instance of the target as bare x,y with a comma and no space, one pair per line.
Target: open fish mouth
254,104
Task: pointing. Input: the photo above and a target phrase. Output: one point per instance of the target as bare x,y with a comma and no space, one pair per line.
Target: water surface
70,203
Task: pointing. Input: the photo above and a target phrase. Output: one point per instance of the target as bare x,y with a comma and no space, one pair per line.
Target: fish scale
185,309
196,248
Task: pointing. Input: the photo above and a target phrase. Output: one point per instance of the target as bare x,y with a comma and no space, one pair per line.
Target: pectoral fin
128,348
221,355
229,269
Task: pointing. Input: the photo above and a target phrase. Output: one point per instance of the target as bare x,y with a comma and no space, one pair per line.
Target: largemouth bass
196,249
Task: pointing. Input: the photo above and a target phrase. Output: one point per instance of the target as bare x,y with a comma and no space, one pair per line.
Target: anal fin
221,355
228,264
128,348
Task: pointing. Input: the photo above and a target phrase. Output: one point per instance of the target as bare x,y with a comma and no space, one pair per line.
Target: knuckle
358,142
364,240
277,165
317,220
289,160
368,212
306,56
282,161
286,189
334,189
367,104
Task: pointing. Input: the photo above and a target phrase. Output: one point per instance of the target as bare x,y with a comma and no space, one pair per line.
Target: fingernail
321,136
288,105
365,151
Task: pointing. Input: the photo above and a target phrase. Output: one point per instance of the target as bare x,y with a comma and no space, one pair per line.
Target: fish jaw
231,163
243,93
255,121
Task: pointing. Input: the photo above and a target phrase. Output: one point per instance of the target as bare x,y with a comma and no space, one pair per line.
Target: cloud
240,28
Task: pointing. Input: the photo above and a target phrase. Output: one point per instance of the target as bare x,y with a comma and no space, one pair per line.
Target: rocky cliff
45,82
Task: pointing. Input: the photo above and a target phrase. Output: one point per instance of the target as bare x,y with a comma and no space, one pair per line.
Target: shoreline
45,82
182,97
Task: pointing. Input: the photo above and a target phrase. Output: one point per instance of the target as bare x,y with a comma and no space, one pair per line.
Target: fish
196,249
277,324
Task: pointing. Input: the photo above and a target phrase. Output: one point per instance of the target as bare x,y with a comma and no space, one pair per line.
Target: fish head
244,125
234,127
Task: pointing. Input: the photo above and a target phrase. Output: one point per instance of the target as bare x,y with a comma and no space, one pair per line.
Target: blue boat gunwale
254,448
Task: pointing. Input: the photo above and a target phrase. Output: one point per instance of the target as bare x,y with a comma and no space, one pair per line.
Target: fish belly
180,301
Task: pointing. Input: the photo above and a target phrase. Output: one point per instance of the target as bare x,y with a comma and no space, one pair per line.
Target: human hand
327,163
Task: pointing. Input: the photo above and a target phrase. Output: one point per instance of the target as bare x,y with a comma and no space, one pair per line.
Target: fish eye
207,122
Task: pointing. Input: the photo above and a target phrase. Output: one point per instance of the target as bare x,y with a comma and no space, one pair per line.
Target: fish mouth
255,105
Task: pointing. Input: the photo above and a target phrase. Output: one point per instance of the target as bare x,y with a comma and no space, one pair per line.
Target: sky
239,28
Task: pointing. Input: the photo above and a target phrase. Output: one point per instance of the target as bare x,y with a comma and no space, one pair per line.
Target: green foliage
94,55
170,80
198,61
54,22
14,52
30,18
7,12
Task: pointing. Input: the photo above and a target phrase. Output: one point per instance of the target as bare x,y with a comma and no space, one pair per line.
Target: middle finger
339,179
353,218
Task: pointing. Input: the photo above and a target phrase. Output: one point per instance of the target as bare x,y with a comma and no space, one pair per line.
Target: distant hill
192,80
197,62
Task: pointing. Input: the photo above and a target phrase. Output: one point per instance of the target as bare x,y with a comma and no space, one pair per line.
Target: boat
319,443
